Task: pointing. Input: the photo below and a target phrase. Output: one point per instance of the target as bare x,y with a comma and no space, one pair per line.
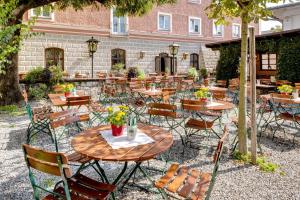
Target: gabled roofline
284,6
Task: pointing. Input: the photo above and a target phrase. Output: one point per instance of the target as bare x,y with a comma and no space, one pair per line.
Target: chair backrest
219,95
78,101
193,105
218,151
58,89
63,118
222,83
167,93
282,82
162,109
48,162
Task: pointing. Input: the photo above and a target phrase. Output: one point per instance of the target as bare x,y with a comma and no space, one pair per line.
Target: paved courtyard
234,180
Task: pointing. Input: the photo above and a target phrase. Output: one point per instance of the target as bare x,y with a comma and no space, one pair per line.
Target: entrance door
162,63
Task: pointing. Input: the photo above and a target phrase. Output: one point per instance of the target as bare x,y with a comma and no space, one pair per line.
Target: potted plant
132,72
141,74
202,94
193,73
285,89
117,117
118,67
67,88
204,75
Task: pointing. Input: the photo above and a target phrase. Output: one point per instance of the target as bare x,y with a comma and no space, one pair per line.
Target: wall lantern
184,56
142,54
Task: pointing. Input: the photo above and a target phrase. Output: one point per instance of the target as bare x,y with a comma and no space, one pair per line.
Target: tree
248,11
14,31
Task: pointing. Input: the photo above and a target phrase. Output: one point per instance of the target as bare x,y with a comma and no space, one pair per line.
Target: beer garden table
90,143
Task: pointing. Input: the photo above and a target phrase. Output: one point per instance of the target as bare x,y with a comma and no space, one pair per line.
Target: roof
288,5
294,32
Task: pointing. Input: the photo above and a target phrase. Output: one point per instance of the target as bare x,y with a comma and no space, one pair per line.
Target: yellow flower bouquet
117,117
202,94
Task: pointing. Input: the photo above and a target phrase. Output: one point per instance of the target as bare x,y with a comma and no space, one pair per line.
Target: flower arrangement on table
67,88
285,89
117,117
202,94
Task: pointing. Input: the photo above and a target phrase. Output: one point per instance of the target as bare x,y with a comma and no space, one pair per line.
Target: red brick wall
147,25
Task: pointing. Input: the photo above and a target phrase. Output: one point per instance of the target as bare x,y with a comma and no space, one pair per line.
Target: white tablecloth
210,104
122,141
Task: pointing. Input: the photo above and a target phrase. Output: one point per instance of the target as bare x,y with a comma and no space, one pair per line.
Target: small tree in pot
204,75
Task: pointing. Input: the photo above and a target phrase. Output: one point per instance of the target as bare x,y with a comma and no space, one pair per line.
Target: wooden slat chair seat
77,187
199,118
188,183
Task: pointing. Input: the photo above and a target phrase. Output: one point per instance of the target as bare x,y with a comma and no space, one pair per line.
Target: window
268,61
195,25
118,56
164,22
42,12
194,60
54,56
217,29
119,23
236,30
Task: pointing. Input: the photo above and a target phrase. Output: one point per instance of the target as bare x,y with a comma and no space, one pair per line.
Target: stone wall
76,56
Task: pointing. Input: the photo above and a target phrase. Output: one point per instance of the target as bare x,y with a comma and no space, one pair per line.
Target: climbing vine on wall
288,58
228,63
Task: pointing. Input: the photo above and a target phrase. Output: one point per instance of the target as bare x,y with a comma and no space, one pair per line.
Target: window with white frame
236,30
119,23
164,22
194,25
42,12
218,29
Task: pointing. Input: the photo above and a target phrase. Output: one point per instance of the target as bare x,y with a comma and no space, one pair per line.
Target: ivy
288,59
228,63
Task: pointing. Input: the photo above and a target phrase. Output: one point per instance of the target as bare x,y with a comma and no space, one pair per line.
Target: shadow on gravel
278,144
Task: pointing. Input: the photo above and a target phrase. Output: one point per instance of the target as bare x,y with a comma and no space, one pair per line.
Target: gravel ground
234,180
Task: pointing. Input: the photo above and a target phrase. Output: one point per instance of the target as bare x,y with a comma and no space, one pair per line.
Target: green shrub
118,67
228,64
260,162
38,74
203,72
38,92
192,72
141,74
56,75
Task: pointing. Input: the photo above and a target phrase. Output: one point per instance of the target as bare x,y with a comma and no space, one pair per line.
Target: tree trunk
10,92
242,130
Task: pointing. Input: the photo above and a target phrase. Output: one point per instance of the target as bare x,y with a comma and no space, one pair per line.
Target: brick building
134,41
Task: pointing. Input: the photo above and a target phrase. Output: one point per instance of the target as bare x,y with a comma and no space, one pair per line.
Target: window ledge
119,34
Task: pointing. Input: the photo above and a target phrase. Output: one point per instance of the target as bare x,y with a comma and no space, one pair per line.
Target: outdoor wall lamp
92,47
184,56
142,54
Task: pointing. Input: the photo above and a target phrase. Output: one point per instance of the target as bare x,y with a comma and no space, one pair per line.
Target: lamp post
173,51
92,46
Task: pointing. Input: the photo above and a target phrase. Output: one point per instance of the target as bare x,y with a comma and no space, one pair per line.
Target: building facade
288,15
134,41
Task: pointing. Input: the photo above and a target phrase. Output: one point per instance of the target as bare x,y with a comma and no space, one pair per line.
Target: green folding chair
70,186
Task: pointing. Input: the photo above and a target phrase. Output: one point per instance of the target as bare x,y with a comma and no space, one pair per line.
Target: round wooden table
91,144
219,106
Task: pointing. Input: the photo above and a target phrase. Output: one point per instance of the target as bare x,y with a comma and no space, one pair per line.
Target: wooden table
225,106
91,144
284,100
59,99
56,99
